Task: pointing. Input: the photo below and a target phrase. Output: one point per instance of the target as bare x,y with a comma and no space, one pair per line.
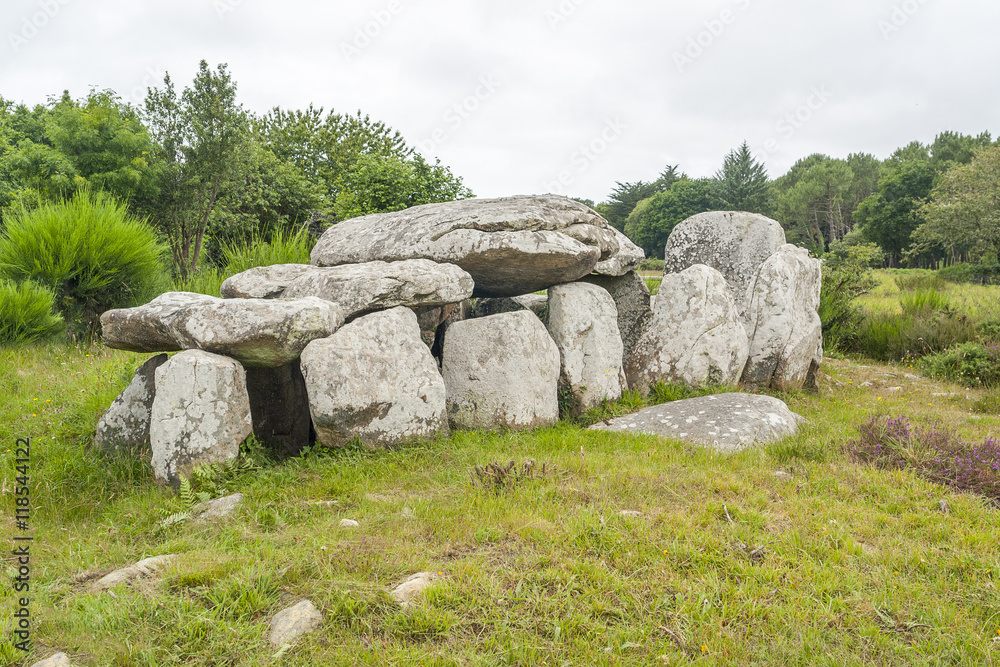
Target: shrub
989,330
971,364
27,313
934,453
984,274
90,251
846,276
651,265
988,403
284,247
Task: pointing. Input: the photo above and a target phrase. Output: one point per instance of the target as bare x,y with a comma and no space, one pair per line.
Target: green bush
90,251
27,313
984,274
284,247
651,265
971,364
847,275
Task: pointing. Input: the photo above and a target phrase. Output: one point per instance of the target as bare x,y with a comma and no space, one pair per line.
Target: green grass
729,564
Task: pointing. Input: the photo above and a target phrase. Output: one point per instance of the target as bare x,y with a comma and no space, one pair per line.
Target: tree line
925,205
204,171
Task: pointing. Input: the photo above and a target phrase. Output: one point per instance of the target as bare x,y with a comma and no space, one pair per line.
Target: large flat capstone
510,246
726,422
255,332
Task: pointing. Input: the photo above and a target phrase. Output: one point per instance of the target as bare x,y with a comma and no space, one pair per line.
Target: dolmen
408,324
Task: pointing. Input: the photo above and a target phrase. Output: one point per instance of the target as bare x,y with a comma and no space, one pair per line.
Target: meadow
797,553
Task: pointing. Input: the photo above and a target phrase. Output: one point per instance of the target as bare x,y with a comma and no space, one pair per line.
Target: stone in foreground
358,288
407,592
583,322
734,243
125,426
255,332
725,422
510,246
501,371
218,508
145,568
54,660
695,336
290,624
786,335
376,380
201,413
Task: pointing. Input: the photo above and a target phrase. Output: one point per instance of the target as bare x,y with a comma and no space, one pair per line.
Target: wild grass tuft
283,247
27,313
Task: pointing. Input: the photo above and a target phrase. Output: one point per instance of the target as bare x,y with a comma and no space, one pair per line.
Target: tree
200,137
963,216
812,201
650,223
890,216
624,198
742,183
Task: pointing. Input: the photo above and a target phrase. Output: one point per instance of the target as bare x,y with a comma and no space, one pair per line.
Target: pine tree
742,183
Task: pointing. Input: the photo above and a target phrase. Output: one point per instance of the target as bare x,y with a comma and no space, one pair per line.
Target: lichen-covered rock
725,422
501,371
125,426
290,624
734,243
279,406
255,332
628,258
786,335
583,322
407,592
201,413
358,288
695,335
510,246
634,305
145,568
375,380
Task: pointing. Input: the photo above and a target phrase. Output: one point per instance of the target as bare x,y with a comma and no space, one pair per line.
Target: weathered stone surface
510,246
628,258
279,406
145,568
349,523
255,332
536,303
54,660
201,413
695,336
262,282
583,322
734,243
218,508
782,320
726,422
363,288
631,296
501,371
126,423
374,379
290,624
408,591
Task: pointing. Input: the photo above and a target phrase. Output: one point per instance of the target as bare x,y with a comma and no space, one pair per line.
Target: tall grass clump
284,247
920,281
90,251
847,275
922,302
27,313
206,280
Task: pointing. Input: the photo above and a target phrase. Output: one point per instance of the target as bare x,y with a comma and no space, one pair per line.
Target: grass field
980,302
833,563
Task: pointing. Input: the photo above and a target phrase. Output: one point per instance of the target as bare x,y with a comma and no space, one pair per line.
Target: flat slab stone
357,288
290,624
147,567
255,332
407,592
218,508
725,422
510,246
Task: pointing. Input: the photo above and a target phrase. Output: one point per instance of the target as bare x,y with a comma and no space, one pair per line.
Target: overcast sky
531,96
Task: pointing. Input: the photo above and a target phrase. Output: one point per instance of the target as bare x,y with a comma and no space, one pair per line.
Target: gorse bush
934,453
970,364
90,251
27,313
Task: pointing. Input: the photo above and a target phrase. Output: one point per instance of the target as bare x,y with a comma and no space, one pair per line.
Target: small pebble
349,523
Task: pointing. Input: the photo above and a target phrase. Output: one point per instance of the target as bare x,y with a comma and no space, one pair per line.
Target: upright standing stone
126,423
786,335
201,413
634,305
583,322
695,336
501,371
376,380
279,405
732,242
